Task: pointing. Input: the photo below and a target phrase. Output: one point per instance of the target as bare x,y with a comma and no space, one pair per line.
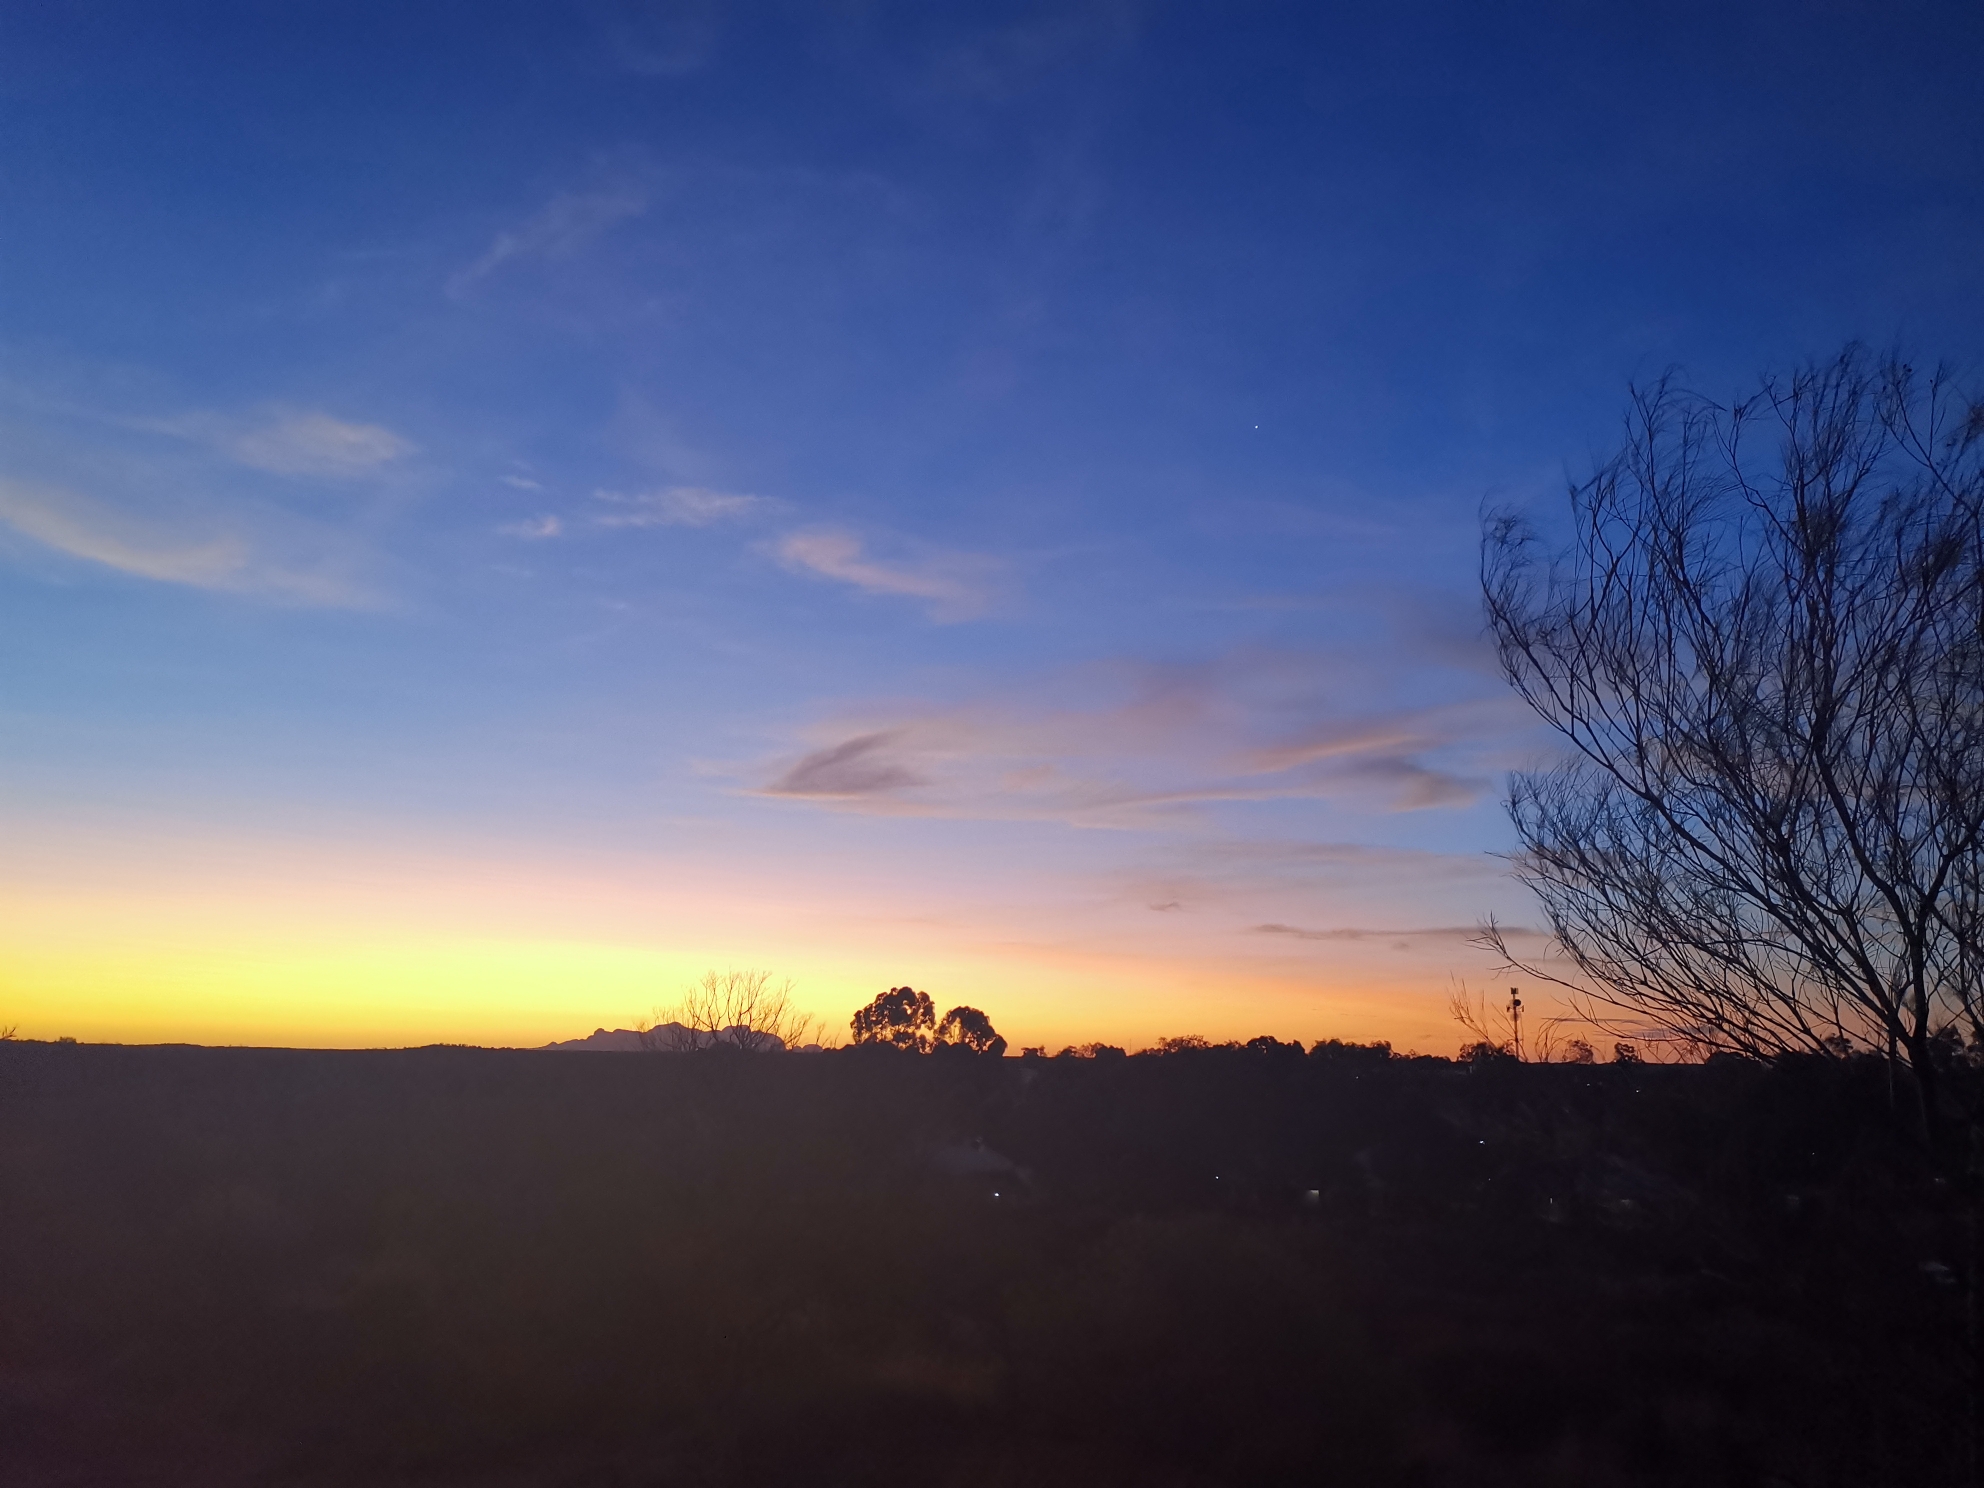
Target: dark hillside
1219,1266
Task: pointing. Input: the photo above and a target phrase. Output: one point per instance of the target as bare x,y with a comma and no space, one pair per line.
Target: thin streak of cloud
1341,744
857,767
1414,785
72,524
1467,934
1396,940
289,441
317,444
563,226
1267,890
521,482
954,584
79,527
1136,746
1221,869
679,506
534,529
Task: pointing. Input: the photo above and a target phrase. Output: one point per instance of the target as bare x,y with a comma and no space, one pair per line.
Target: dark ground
444,1266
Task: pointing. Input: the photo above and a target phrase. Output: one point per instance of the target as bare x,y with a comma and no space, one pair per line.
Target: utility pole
1515,1020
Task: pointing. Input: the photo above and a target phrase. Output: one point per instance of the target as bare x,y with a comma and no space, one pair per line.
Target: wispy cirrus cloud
679,506
956,586
1270,890
855,768
288,441
533,529
294,443
1402,938
560,228
275,438
1390,758
1222,869
1138,744
98,532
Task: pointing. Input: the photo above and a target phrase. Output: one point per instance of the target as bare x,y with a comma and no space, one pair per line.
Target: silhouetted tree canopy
901,1017
968,1028
1764,651
1268,1044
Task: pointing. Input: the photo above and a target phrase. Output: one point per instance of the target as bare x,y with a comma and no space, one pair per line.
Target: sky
505,507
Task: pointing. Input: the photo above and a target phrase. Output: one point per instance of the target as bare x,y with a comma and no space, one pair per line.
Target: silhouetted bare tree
1764,648
731,1010
1493,1031
1505,1030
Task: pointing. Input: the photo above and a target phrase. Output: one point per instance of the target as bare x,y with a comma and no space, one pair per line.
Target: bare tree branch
731,1010
1764,652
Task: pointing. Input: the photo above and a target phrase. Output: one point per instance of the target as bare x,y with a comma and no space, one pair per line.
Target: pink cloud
1169,739
956,585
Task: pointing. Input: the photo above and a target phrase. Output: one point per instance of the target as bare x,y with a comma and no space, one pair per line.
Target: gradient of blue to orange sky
506,506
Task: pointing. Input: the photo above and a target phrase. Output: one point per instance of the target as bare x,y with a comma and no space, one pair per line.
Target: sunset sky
504,507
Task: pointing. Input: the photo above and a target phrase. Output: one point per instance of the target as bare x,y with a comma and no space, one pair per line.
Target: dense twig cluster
1765,651
731,1010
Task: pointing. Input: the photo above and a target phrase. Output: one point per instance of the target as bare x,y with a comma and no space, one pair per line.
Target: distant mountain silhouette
618,1040
663,1036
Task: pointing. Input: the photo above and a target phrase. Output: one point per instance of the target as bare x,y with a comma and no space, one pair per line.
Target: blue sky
973,495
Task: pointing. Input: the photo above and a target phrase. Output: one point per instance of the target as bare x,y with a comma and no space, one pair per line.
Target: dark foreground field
480,1267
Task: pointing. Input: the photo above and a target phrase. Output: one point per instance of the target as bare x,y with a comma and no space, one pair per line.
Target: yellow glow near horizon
525,993
268,944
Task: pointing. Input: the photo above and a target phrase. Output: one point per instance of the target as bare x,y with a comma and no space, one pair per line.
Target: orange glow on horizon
348,946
